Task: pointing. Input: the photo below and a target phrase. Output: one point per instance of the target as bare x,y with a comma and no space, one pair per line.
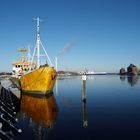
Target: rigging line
46,54
33,55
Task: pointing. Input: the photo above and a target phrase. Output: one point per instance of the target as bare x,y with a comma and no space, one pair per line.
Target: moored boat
34,77
39,81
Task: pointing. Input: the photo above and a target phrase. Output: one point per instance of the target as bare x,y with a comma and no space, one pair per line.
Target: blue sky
105,34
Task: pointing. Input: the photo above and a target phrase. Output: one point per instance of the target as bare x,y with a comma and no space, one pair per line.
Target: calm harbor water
111,110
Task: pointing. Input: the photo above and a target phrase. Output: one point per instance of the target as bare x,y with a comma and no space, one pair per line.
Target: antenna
38,42
38,21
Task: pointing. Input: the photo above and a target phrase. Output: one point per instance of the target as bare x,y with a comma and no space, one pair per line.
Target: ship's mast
38,43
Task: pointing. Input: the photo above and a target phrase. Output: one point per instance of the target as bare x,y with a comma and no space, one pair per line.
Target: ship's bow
39,81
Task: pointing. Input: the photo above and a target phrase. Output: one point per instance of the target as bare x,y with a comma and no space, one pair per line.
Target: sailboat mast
38,43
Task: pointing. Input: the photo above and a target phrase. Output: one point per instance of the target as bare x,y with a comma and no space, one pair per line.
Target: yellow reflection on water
43,111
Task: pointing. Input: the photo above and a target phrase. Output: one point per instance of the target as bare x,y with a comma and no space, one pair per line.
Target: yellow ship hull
40,81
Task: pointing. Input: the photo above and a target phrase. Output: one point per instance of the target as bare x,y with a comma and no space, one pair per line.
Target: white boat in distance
86,72
95,73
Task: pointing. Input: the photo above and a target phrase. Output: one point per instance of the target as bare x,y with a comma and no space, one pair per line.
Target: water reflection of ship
42,111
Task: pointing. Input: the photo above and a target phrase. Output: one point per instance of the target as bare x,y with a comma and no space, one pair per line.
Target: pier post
85,119
83,87
56,84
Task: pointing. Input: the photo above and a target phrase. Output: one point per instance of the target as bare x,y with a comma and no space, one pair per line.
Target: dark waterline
111,109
